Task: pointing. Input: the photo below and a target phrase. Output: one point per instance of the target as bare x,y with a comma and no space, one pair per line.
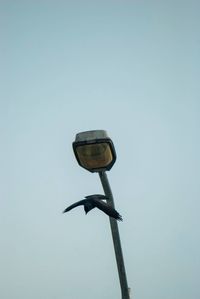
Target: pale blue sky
131,68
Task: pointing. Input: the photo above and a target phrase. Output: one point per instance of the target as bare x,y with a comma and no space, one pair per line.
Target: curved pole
116,239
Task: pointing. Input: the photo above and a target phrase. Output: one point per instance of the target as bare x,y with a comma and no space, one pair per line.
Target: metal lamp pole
116,239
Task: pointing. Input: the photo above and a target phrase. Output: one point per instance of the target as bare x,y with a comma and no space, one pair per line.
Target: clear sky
131,68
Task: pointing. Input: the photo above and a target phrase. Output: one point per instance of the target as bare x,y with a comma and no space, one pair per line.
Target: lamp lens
94,156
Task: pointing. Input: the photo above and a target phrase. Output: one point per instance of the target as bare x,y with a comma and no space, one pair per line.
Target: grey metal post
125,291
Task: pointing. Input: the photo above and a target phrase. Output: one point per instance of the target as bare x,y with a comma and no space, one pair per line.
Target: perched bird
95,201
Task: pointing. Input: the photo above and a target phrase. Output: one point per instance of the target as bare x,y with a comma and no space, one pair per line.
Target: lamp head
94,150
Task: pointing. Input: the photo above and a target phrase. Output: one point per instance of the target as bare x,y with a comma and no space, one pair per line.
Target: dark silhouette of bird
96,201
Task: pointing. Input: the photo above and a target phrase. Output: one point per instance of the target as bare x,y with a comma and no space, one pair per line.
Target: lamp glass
94,156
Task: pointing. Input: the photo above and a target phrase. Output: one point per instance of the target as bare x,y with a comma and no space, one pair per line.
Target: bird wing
96,196
74,205
106,208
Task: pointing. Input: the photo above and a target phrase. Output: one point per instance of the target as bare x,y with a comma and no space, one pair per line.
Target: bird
95,201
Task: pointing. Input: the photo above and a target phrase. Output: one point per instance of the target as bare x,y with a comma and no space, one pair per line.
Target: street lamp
95,151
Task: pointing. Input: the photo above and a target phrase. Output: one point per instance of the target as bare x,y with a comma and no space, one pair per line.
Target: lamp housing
94,150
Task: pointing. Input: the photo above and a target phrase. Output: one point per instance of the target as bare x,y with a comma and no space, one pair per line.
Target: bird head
88,206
